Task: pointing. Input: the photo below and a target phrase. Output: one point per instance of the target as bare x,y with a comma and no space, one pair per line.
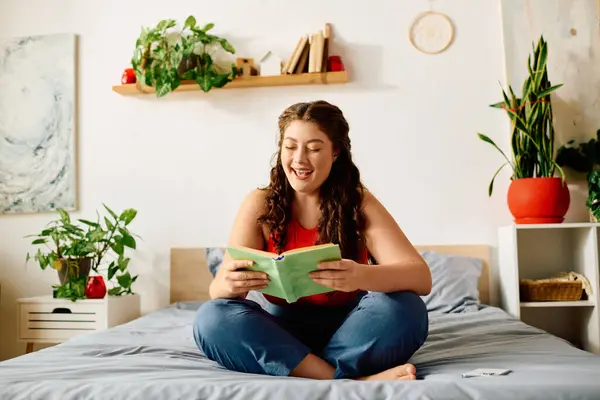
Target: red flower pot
128,76
95,288
538,200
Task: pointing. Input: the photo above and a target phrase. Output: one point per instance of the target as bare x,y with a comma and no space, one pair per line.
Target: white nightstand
48,320
538,251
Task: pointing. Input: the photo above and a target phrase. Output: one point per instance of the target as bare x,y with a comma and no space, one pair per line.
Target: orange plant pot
538,200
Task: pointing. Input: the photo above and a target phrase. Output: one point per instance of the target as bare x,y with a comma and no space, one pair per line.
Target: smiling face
307,155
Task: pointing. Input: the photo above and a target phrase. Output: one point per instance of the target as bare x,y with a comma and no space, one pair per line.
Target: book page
295,266
310,248
263,262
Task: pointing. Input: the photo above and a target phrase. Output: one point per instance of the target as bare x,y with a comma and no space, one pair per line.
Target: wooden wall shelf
324,78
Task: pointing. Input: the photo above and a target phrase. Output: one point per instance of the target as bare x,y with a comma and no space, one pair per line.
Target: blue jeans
376,332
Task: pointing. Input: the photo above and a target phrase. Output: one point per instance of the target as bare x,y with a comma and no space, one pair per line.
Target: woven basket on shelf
544,290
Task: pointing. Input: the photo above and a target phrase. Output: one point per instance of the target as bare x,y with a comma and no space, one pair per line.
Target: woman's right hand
230,282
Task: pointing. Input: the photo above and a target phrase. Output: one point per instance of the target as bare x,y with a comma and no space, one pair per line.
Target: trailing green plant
164,56
584,158
531,116
101,243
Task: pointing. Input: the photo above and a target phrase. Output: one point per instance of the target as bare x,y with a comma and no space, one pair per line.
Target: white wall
186,161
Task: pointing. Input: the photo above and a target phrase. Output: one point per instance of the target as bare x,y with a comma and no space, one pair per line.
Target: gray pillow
214,258
454,283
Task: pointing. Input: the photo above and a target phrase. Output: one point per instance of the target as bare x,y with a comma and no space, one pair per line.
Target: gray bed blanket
154,357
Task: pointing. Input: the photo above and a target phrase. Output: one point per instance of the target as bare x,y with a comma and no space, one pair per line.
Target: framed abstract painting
37,123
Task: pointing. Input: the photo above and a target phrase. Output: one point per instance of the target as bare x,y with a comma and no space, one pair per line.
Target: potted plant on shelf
165,56
585,158
75,249
535,194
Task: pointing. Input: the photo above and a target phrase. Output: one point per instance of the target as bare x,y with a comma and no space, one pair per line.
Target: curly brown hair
341,195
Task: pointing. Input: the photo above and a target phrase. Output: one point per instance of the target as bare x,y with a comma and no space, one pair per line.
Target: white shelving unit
539,251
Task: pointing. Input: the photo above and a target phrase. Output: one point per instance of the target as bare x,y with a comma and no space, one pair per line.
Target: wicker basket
530,290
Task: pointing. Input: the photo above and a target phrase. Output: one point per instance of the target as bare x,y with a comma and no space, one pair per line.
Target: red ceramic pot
95,288
128,76
538,200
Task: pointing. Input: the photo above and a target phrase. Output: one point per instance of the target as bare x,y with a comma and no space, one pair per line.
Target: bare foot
402,372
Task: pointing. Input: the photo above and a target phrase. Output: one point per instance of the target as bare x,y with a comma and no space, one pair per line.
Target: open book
288,272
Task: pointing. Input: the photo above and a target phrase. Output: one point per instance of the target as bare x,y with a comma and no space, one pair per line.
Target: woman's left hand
344,275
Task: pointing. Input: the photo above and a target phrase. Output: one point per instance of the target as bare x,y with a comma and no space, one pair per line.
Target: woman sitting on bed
373,322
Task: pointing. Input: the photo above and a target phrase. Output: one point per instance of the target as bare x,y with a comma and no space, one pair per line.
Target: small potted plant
585,158
75,249
164,56
535,194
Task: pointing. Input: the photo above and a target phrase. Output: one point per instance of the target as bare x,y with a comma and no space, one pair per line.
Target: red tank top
298,236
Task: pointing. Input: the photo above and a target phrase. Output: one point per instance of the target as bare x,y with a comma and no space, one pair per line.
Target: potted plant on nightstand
535,194
75,249
585,158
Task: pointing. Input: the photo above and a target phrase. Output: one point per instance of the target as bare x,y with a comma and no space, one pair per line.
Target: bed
155,357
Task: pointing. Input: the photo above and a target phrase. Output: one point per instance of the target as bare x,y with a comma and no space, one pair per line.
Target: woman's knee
403,308
218,317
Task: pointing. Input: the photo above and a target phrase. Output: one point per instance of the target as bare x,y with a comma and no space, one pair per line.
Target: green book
288,272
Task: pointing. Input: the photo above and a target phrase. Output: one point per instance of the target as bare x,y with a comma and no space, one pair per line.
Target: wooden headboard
190,277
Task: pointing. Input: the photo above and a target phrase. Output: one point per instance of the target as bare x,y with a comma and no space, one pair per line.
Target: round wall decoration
431,32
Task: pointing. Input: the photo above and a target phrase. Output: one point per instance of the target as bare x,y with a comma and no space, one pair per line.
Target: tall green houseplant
532,142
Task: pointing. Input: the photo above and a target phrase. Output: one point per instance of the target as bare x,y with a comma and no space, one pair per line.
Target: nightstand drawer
60,321
44,319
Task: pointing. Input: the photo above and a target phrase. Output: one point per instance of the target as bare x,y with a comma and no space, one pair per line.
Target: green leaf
73,289
491,186
97,234
162,25
227,46
204,80
190,22
112,270
89,248
490,141
124,280
559,169
128,215
73,230
541,58
39,241
64,216
208,27
519,123
221,80
90,223
129,241
526,87
163,90
171,23
109,225
498,105
546,92
123,264
117,246
47,232
506,100
111,212
116,291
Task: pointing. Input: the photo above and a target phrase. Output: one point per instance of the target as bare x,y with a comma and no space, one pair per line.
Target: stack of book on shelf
311,54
